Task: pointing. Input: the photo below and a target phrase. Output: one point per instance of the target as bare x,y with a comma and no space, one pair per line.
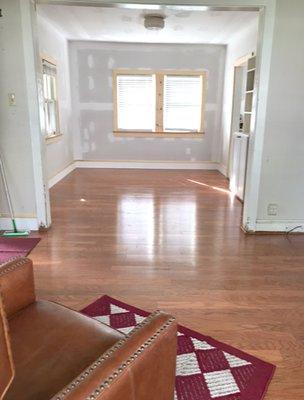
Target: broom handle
8,197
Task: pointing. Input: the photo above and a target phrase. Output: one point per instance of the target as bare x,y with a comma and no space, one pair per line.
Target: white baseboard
62,174
209,165
204,165
23,224
222,169
279,226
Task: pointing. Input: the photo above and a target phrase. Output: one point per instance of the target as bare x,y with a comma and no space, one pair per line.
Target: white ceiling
126,25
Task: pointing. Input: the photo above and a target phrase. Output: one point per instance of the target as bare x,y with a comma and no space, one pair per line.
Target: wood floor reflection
171,240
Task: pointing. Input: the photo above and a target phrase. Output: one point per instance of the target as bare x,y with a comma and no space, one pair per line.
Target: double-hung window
162,103
50,105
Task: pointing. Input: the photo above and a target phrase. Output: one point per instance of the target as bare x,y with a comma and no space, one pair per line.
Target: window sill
53,138
158,135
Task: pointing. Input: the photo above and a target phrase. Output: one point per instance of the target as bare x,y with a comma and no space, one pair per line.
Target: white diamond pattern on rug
234,361
126,330
139,318
186,364
105,319
205,369
117,310
201,345
221,383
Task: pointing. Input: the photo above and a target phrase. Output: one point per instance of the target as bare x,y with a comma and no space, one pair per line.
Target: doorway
244,88
163,7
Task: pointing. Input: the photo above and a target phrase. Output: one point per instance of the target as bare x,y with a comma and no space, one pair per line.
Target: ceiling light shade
154,22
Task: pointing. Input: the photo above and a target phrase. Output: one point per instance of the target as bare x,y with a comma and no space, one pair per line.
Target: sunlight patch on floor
227,191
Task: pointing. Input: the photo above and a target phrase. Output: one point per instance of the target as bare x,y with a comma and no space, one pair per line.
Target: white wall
20,140
282,177
241,45
59,153
15,139
91,77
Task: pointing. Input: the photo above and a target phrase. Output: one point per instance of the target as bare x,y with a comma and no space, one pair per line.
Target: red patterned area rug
16,247
205,368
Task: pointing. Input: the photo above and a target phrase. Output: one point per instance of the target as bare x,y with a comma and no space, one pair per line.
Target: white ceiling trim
147,6
127,25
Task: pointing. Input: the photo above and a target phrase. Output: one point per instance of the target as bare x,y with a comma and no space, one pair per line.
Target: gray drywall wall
282,176
91,65
15,139
59,153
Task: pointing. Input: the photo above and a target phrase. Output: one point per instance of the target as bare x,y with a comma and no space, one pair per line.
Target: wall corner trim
223,169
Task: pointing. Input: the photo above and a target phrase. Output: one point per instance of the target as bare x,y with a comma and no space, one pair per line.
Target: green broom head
15,232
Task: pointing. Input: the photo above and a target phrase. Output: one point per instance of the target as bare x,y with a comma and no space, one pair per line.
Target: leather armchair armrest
17,285
7,370
140,366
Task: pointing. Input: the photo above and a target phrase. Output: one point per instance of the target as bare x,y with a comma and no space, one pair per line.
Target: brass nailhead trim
6,267
105,383
100,360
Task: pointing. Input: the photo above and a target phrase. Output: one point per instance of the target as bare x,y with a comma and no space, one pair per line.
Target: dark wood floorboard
172,240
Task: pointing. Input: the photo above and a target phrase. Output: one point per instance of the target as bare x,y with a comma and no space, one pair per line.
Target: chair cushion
51,345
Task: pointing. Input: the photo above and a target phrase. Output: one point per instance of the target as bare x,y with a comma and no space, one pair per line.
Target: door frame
238,63
266,10
34,99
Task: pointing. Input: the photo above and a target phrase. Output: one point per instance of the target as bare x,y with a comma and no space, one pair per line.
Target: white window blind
51,120
182,103
136,102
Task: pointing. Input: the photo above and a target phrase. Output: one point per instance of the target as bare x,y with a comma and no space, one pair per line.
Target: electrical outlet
272,209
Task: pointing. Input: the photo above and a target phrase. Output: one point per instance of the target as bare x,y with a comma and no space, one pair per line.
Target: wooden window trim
158,134
159,78
55,137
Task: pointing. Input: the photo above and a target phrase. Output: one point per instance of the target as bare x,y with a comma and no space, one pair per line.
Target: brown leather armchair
49,352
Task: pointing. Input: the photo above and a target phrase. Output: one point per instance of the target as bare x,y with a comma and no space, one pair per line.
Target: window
182,103
136,102
51,116
163,103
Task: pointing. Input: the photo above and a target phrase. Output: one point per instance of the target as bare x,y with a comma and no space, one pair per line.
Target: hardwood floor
171,240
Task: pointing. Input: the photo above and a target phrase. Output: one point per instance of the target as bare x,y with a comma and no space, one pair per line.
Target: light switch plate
11,99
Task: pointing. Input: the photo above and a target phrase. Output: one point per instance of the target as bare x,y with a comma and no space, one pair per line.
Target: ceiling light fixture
154,22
